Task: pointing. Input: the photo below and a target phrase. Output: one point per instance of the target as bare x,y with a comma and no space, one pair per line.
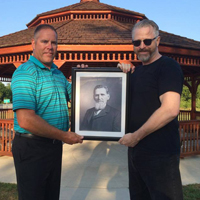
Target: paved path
97,170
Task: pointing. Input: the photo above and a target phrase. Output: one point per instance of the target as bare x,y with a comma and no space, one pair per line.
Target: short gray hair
146,23
44,26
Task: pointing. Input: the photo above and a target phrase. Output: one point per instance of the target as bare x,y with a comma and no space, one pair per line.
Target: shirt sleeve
23,90
170,77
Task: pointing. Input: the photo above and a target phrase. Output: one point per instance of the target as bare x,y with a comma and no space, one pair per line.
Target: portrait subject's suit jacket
109,119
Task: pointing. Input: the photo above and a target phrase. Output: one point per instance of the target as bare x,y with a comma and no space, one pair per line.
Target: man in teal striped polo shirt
41,123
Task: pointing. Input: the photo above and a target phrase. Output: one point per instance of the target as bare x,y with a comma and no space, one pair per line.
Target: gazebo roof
94,32
87,6
79,30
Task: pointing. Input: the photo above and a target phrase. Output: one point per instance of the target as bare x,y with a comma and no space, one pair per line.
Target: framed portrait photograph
99,103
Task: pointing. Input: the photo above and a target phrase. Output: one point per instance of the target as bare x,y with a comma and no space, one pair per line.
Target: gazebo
99,35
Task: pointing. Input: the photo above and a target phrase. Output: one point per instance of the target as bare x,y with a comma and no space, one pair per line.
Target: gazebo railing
6,136
6,114
189,135
184,115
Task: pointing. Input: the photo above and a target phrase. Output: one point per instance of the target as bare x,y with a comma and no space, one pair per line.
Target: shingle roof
94,32
19,38
176,40
90,5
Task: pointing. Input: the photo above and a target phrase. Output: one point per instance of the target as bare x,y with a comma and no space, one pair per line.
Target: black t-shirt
147,83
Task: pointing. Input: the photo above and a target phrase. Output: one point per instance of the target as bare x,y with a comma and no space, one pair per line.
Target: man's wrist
136,135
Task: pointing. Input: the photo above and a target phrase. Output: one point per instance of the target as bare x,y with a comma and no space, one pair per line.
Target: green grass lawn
9,191
191,192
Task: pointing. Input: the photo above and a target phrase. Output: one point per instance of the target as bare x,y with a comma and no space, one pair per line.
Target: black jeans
154,176
38,168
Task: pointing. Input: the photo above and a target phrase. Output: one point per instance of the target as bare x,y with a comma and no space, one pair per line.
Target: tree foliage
198,98
5,92
186,99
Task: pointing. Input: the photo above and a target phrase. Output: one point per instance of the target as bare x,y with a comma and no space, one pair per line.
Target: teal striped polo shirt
45,91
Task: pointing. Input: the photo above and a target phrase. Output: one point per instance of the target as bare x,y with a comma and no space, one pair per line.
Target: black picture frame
84,81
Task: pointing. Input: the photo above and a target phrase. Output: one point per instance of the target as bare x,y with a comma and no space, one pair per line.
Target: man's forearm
158,120
170,103
33,123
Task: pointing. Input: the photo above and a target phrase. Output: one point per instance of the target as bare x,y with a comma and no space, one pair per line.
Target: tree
186,98
8,94
198,98
2,92
5,92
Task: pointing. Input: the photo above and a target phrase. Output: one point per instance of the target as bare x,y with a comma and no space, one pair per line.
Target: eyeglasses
147,42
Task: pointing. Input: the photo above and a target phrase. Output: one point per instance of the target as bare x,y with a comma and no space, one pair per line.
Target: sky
180,17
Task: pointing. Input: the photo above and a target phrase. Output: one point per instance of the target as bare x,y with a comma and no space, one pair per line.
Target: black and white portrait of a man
101,117
99,103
